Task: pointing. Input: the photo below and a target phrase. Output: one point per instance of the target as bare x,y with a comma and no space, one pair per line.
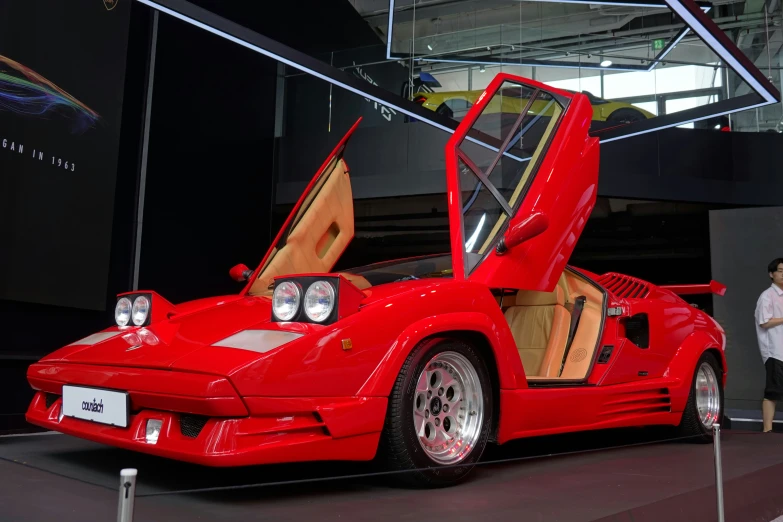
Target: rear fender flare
683,364
382,379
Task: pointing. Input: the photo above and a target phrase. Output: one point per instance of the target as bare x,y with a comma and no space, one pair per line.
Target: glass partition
635,62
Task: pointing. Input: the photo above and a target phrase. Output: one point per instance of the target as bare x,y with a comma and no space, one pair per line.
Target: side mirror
523,231
240,273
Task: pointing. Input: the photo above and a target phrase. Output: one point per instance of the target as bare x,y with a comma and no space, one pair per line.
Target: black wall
694,165
743,241
213,156
210,175
59,141
32,330
685,165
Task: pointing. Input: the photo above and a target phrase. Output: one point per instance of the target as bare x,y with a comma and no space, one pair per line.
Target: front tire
439,416
705,400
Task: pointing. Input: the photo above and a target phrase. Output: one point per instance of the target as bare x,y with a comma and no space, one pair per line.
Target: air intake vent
636,403
191,425
51,398
624,286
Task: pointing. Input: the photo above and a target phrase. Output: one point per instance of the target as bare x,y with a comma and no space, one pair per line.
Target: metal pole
145,148
127,495
718,470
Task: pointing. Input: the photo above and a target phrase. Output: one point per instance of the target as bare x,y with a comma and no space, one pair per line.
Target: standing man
769,318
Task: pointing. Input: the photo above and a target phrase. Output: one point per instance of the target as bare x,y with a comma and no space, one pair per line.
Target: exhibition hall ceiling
522,30
712,77
727,56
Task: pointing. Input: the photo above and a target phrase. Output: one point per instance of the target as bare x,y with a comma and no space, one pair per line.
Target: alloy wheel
448,408
707,395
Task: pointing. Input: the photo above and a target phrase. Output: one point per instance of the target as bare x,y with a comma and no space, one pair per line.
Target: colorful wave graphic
24,91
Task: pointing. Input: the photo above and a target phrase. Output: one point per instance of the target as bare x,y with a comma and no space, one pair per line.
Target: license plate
96,405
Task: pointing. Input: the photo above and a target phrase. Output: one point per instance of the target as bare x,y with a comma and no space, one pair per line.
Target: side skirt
551,410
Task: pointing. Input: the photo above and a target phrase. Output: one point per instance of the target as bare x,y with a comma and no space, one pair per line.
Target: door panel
548,164
319,228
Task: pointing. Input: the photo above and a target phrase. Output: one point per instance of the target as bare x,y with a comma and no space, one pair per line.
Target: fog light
153,430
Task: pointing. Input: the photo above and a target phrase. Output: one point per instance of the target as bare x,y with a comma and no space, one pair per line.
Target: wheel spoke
419,422
441,437
448,380
423,383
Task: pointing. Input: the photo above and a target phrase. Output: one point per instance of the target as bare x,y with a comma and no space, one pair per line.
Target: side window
519,121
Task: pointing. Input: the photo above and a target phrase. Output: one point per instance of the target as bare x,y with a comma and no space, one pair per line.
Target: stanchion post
127,495
718,469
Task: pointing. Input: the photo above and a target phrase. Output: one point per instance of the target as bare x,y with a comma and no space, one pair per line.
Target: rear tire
439,416
705,401
445,110
625,115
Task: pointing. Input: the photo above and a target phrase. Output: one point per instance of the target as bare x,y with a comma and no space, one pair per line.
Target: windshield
404,269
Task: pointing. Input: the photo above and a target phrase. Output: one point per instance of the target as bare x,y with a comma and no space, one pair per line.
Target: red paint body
317,397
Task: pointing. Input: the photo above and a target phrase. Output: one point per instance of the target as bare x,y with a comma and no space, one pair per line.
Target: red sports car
419,362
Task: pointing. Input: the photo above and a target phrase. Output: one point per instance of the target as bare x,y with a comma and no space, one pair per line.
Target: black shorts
773,390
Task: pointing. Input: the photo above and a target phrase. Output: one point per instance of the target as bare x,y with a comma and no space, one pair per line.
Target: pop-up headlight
133,310
122,311
285,300
141,310
320,299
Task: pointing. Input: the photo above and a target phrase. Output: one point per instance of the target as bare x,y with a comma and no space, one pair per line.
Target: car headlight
141,310
322,299
133,309
122,311
319,301
285,300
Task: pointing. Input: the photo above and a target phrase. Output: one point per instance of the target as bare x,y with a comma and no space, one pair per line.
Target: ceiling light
429,47
606,63
482,69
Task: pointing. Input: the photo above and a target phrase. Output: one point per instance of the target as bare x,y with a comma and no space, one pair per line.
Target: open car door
318,230
522,176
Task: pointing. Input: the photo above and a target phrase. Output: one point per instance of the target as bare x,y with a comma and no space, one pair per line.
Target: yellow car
455,104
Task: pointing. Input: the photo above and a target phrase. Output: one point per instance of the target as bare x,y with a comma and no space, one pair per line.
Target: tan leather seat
580,356
539,323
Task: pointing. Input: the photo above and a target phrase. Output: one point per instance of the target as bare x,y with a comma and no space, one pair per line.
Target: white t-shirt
769,305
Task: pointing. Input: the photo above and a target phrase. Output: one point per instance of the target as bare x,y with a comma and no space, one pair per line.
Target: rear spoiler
713,287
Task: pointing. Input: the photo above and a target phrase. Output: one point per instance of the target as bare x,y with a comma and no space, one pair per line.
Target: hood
382,293
195,326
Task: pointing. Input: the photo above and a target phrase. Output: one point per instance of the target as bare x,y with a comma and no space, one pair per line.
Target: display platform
744,419
619,476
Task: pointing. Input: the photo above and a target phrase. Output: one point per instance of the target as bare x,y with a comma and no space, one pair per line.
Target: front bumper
271,430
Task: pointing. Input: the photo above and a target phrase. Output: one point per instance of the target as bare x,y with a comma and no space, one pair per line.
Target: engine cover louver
624,286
